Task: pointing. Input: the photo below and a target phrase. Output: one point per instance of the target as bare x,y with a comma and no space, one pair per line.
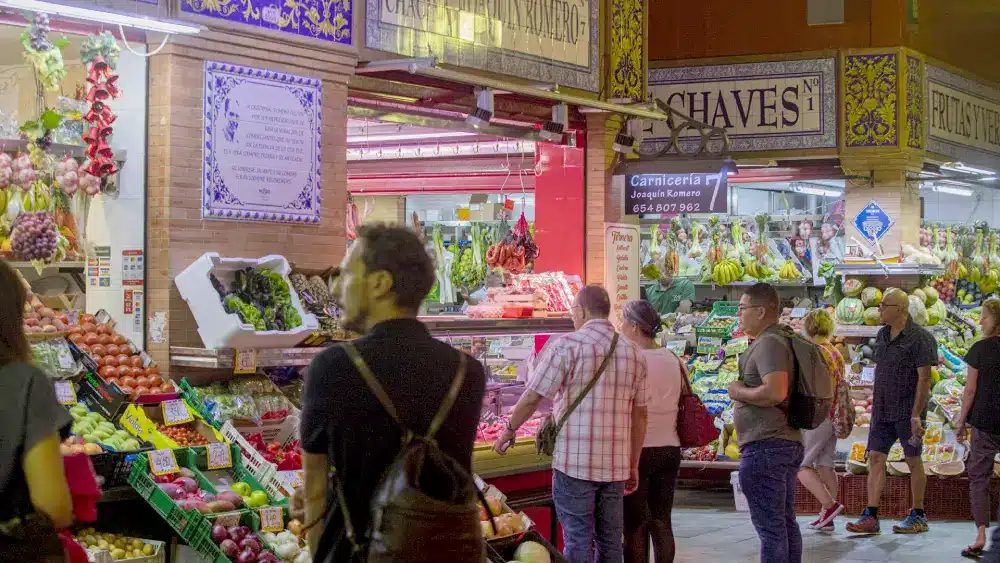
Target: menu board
621,266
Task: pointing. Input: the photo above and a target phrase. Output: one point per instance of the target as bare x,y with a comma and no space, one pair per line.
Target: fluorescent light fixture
552,131
481,116
810,190
966,169
102,16
952,190
449,150
355,139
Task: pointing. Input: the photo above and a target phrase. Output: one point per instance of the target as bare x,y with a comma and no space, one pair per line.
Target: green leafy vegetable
247,312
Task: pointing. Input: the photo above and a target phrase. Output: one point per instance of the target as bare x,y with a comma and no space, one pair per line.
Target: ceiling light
966,169
730,168
355,139
810,190
101,16
481,116
552,131
952,190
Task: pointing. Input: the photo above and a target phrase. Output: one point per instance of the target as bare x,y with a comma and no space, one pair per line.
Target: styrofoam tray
219,329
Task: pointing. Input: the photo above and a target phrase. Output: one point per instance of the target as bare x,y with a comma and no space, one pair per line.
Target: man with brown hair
770,449
596,457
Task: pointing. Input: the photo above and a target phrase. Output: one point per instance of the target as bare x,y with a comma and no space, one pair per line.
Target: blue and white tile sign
261,145
873,222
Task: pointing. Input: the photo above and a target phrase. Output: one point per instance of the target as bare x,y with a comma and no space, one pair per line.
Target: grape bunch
34,236
38,31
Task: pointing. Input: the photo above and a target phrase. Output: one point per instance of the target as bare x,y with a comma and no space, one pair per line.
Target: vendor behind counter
670,294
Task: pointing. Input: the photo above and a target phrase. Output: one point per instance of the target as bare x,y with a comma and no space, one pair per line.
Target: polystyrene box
219,329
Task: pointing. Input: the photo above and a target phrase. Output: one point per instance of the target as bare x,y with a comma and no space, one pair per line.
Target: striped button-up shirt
595,442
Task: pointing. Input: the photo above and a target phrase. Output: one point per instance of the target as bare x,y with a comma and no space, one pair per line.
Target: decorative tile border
870,96
916,108
982,95
327,20
229,176
411,42
716,76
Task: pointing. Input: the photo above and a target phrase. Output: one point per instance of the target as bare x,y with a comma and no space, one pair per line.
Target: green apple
123,434
101,435
78,411
257,499
107,427
130,445
90,438
95,416
241,488
85,426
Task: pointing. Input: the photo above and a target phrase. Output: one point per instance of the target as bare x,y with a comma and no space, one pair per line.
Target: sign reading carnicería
963,118
780,105
547,40
676,193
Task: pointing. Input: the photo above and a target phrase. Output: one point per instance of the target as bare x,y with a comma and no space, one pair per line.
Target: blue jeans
592,515
768,476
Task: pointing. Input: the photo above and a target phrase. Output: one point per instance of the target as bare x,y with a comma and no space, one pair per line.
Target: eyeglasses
742,308
887,305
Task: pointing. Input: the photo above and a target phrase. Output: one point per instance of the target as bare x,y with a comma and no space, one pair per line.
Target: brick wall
604,201
176,233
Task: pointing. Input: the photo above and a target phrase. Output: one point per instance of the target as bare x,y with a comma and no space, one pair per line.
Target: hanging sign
697,192
262,145
872,222
219,455
621,266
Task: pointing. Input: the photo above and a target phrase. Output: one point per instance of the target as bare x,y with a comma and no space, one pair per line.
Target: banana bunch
789,271
727,271
757,270
963,272
989,282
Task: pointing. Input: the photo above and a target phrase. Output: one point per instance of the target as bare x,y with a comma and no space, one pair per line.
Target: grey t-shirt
769,353
29,413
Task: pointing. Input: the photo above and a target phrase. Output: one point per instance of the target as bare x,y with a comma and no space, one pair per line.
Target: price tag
709,345
272,519
686,329
799,312
737,346
245,362
65,357
867,376
676,346
163,462
65,393
176,412
228,519
219,456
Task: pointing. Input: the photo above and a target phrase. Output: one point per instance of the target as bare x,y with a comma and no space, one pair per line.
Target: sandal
972,552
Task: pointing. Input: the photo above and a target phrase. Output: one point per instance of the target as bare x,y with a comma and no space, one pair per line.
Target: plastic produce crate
219,329
719,309
196,460
114,467
159,554
184,522
505,553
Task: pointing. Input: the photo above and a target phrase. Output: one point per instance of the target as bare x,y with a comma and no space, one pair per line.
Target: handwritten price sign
163,462
272,519
245,362
65,393
219,456
175,412
228,519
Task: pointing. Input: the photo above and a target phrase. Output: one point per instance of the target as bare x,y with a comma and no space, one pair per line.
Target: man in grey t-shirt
770,449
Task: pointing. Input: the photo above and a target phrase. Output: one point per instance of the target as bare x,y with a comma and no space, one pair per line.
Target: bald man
904,355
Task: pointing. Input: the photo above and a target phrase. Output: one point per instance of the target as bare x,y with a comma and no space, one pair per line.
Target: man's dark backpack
812,392
407,523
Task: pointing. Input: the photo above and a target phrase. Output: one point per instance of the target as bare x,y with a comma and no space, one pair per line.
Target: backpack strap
590,385
372,382
449,399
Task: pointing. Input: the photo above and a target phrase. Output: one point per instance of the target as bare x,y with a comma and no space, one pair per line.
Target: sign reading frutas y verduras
695,192
762,106
262,142
621,266
550,40
963,116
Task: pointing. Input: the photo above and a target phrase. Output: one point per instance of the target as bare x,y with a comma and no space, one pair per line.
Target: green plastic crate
184,522
719,309
191,396
196,459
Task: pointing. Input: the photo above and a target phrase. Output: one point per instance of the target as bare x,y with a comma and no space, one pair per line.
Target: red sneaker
827,516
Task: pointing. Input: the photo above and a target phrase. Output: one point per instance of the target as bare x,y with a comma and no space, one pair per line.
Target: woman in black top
980,411
34,495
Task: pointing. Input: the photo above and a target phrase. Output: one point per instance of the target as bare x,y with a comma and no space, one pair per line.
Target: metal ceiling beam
410,118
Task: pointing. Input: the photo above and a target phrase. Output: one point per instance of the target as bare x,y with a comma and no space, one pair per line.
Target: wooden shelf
56,149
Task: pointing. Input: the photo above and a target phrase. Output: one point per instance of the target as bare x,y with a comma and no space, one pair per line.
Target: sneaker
827,516
914,524
827,529
812,525
867,524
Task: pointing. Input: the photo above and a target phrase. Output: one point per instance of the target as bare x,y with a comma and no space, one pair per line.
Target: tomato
103,372
76,337
167,387
142,381
136,361
84,319
152,370
113,380
88,327
111,371
119,340
104,339
75,329
112,349
91,338
100,361
110,361
126,349
125,371
123,360
129,381
125,389
141,390
155,381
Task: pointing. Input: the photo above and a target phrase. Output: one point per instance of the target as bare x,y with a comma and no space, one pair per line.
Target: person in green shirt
670,294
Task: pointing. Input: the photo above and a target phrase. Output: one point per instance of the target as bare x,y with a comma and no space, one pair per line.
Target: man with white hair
904,355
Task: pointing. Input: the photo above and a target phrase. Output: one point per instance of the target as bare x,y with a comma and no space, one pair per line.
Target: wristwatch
511,428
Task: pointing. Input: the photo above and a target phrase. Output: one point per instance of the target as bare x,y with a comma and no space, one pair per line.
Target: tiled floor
708,535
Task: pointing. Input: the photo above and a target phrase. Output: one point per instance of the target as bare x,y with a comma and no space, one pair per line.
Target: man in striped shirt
596,457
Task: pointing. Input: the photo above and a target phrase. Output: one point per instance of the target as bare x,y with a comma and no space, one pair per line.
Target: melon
897,468
936,313
932,296
949,469
852,287
871,296
872,316
850,311
856,467
917,310
532,552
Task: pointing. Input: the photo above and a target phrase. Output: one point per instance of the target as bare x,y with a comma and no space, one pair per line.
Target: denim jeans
591,515
768,476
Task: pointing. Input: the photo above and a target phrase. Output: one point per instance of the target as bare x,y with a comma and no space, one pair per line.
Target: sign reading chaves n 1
696,192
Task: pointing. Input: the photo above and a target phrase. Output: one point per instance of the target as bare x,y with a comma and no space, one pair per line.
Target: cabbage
532,552
917,310
936,313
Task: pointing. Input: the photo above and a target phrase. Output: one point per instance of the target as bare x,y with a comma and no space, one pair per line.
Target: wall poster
621,267
261,145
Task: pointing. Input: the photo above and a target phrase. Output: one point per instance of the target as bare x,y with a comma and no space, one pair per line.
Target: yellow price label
176,412
65,393
272,519
245,362
219,455
163,462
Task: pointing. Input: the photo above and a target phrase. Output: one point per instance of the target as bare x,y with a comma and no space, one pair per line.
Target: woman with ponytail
647,510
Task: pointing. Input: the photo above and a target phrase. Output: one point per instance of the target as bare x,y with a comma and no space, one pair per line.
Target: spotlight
481,116
552,131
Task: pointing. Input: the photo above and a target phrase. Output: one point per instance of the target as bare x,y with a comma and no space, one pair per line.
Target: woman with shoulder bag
35,498
647,510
